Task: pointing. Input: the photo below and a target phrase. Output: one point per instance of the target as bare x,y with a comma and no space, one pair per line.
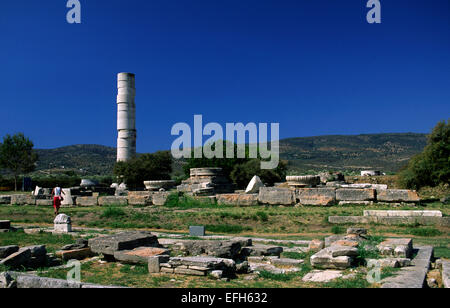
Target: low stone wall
24,199
237,199
316,196
391,221
276,196
112,200
86,201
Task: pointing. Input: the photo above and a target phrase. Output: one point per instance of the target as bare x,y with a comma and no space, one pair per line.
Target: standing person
57,198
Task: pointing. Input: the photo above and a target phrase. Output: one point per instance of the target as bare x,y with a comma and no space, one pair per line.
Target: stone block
324,260
188,271
141,255
5,199
24,199
222,249
349,194
107,245
17,259
5,224
339,251
6,251
86,201
446,274
262,250
316,245
35,282
237,199
397,195
74,254
276,196
357,231
400,213
322,276
254,185
196,230
316,196
160,198
286,262
153,265
396,247
113,200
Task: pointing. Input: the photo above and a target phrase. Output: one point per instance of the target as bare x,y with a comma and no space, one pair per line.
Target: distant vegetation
348,154
145,167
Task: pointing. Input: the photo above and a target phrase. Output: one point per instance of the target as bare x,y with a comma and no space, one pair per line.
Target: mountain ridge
387,152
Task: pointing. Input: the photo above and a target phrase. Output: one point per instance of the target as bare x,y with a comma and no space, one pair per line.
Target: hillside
385,152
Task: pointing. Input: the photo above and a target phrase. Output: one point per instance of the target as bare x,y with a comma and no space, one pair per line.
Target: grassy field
268,222
275,221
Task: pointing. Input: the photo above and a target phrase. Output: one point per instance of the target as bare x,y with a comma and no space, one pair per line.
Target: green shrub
337,230
262,215
432,166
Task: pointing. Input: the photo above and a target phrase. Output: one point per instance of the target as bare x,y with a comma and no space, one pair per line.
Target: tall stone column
126,117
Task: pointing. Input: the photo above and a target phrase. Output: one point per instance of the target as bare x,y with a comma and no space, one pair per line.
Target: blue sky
316,67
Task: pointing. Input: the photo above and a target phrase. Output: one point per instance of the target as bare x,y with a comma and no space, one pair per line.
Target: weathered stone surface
62,223
389,262
197,230
326,177
316,196
237,199
262,250
276,196
6,281
397,195
357,231
198,265
222,249
322,276
107,245
217,274
143,198
159,198
17,259
324,260
402,247
316,245
80,243
400,213
5,224
86,201
23,200
112,200
141,255
5,199
303,180
286,262
339,251
413,276
254,185
346,243
62,219
67,198
446,273
153,264
349,194
242,267
5,251
75,254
